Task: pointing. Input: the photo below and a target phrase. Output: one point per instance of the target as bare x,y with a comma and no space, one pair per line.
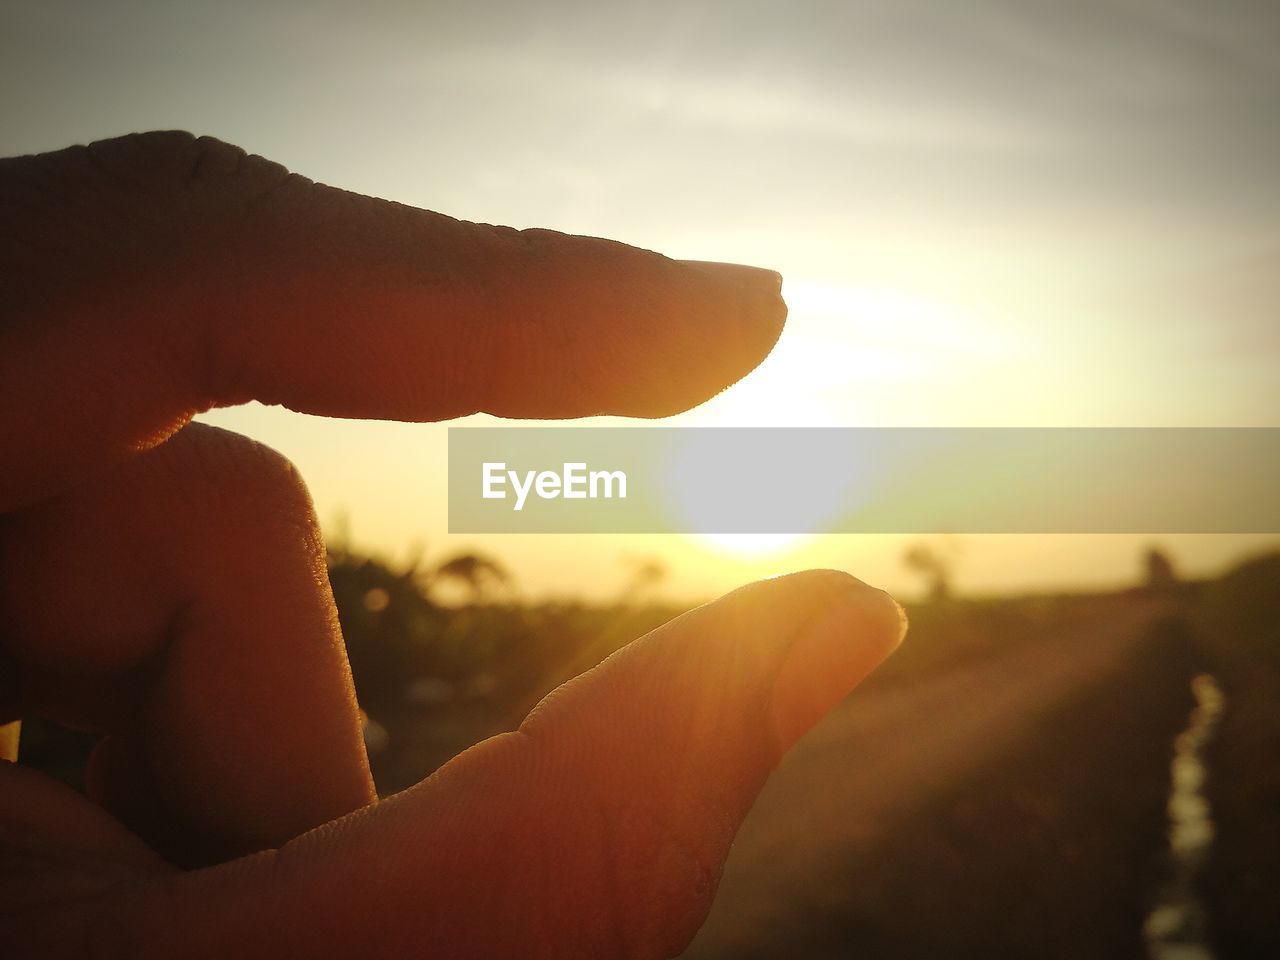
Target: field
998,788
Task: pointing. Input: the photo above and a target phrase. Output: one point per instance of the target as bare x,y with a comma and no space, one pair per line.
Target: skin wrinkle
211,160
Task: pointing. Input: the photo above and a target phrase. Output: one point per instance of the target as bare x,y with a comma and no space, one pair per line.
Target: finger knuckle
139,159
177,160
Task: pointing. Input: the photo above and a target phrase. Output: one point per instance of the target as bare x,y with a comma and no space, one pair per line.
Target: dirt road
876,763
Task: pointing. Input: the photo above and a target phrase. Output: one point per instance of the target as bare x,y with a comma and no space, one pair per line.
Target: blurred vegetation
1238,622
935,563
434,678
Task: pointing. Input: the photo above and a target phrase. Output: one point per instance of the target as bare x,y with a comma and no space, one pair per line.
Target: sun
844,351
748,493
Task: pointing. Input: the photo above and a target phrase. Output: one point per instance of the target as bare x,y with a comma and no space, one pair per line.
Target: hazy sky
993,212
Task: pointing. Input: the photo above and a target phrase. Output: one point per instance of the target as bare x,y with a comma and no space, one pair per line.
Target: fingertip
854,631
754,297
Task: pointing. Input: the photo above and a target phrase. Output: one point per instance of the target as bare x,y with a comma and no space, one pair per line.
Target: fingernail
753,298
756,278
832,654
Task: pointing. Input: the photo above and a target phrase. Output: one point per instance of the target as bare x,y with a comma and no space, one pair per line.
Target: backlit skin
163,582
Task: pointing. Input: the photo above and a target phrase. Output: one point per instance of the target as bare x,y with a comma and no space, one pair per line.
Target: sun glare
850,356
861,356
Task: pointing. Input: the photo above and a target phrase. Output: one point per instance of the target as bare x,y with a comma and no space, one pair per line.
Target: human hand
164,583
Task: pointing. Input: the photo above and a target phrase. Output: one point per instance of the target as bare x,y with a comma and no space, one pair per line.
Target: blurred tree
934,564
1160,573
482,577
646,574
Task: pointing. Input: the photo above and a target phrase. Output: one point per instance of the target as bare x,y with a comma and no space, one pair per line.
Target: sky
994,212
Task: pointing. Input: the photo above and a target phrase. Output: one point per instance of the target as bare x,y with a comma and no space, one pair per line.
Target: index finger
154,276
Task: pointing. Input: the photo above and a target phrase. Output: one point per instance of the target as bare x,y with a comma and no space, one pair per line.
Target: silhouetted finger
599,829
180,605
151,277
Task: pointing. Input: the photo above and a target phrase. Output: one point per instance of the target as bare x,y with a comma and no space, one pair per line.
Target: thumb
599,828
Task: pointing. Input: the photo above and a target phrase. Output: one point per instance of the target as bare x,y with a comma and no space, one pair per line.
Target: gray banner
863,480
